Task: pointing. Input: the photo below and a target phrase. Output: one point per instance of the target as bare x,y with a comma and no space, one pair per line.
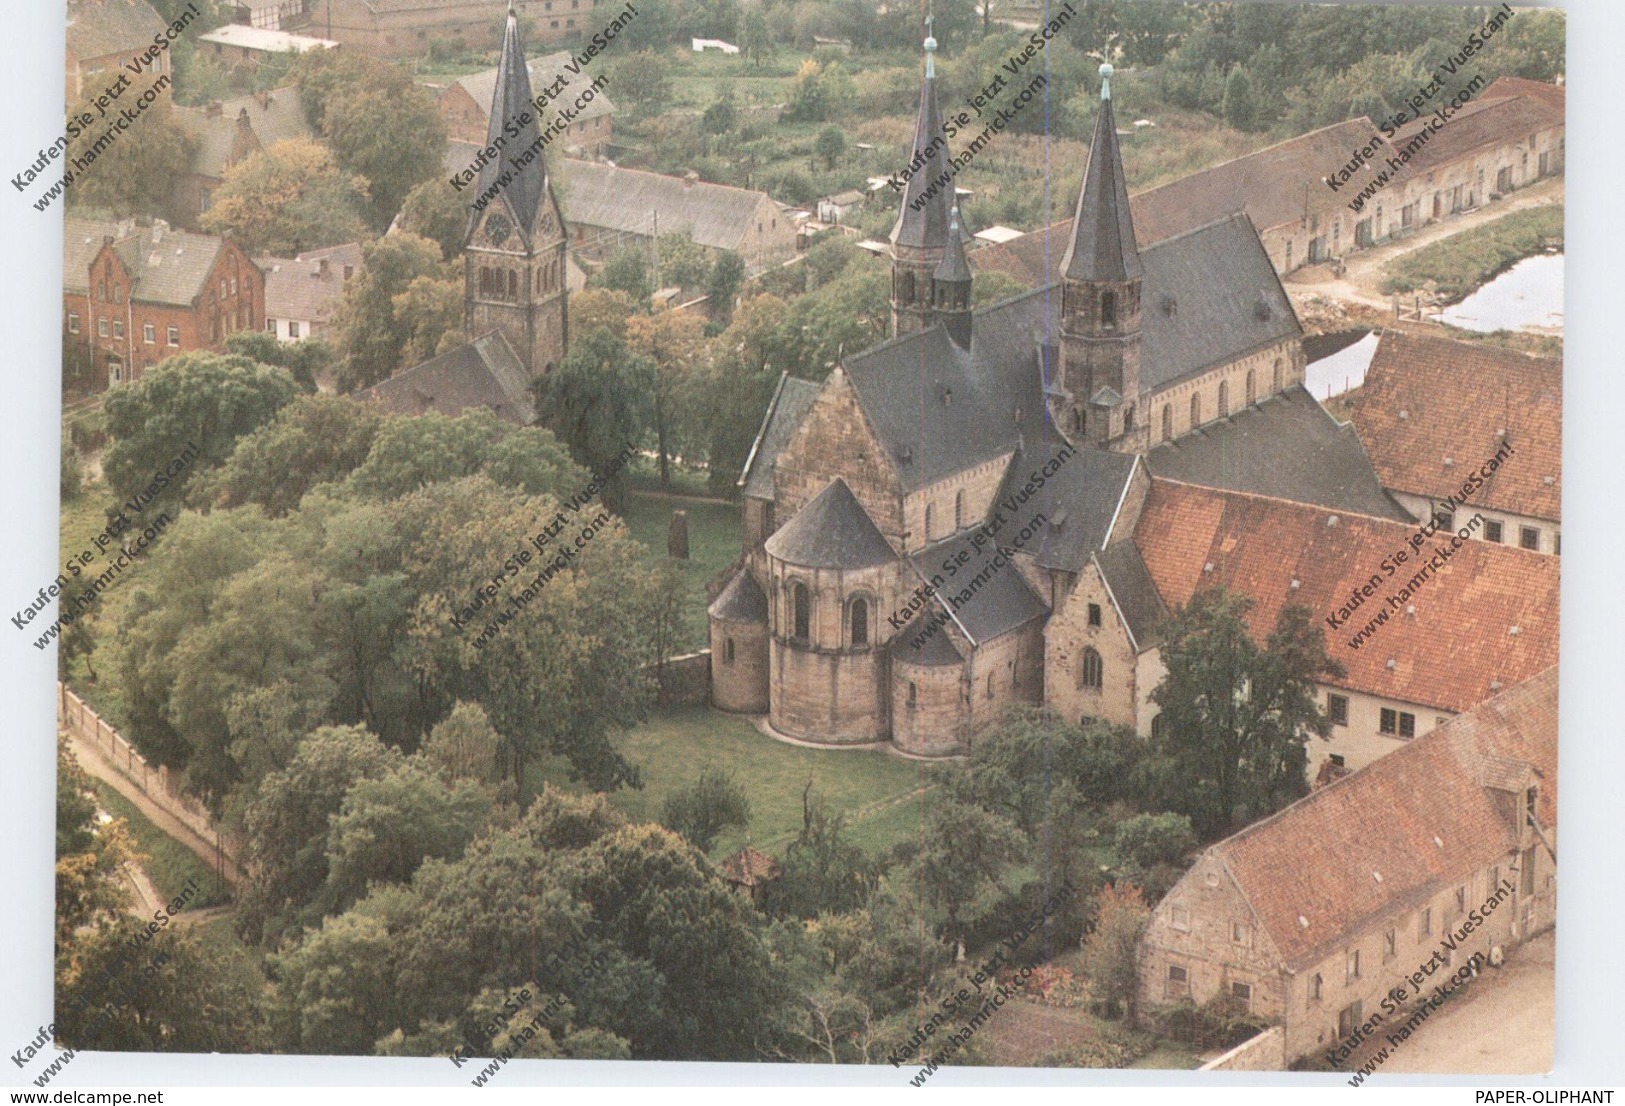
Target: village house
465,105
402,28
241,48
103,35
612,208
1511,136
227,132
1432,411
1313,916
273,15
132,296
1485,620
301,293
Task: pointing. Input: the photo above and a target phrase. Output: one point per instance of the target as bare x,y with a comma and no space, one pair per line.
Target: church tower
1100,302
951,286
513,253
921,233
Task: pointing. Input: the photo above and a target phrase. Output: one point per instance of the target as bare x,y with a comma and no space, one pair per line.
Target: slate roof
295,287
927,225
522,188
98,28
936,651
1134,592
598,195
543,72
277,119
742,600
1438,823
1286,446
168,266
791,401
483,373
831,531
1002,603
1428,398
1268,185
1102,245
1475,126
1446,655
1079,500
939,409
81,242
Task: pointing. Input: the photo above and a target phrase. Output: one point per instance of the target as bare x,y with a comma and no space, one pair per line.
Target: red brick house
132,296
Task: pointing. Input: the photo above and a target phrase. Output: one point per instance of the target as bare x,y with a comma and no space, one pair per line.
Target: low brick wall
686,679
1265,1052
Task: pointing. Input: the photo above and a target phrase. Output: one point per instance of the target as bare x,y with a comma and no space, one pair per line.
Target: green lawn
880,793
169,863
1458,265
713,544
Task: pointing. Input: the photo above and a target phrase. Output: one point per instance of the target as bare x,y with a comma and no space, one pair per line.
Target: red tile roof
1420,817
1552,95
1426,399
749,867
1447,655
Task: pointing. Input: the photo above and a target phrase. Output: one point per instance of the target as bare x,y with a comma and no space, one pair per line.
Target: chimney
321,269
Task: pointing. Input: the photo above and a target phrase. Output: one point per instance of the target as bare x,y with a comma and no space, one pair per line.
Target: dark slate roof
274,116
936,651
1078,500
791,402
1211,296
97,28
1134,592
1003,602
717,216
832,531
544,72
742,600
927,226
168,266
953,267
483,373
526,186
1287,447
1102,245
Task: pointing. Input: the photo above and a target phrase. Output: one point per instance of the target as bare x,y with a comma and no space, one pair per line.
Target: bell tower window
860,622
1108,311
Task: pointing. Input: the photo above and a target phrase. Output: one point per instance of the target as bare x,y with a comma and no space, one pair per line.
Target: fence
75,716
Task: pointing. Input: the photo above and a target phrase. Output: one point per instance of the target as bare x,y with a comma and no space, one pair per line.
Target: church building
911,523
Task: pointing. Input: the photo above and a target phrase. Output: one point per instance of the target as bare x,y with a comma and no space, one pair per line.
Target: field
880,794
169,863
713,544
1458,265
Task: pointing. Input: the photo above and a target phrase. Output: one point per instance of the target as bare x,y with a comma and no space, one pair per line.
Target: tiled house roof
716,215
98,28
241,126
1487,620
1427,399
483,373
297,288
1310,872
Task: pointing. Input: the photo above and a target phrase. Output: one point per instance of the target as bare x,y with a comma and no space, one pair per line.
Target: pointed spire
512,98
1103,246
923,222
951,286
953,267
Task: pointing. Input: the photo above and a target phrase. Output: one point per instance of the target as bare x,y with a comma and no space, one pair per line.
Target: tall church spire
951,286
1101,279
1103,246
921,231
526,185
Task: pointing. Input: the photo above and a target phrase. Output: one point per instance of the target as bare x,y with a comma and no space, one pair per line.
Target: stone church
911,523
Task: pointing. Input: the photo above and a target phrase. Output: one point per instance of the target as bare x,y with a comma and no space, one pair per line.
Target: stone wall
739,681
686,679
1265,1052
1068,635
833,440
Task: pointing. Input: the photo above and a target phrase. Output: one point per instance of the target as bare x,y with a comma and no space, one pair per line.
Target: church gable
836,440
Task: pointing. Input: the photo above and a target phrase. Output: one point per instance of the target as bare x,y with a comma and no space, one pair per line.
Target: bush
1221,1023
73,476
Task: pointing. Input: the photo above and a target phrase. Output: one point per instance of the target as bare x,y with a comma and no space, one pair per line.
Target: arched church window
801,604
1277,377
1091,673
1108,310
859,620
990,685
1077,420
913,695
485,281
1224,398
1196,411
1167,421
905,287
728,652
513,285
1128,418
1252,387
959,510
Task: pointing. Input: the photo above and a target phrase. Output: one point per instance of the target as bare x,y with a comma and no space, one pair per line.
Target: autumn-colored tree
1109,959
287,199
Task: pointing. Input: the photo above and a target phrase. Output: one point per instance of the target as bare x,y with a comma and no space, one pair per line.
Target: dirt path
1365,269
91,760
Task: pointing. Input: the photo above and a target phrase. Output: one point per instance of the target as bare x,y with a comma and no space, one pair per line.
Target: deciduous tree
287,199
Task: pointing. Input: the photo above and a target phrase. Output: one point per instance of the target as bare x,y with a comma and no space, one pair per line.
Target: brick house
465,104
1511,136
1432,410
103,35
1487,620
227,132
1312,916
132,296
301,293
